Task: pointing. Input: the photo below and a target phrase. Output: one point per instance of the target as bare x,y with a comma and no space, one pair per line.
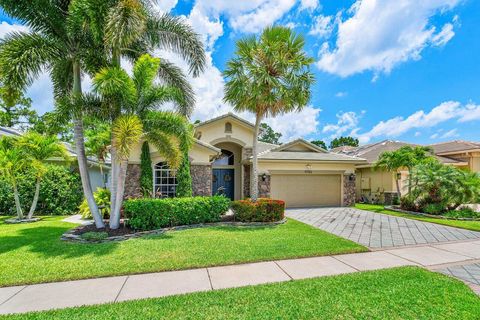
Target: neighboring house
98,173
298,172
381,185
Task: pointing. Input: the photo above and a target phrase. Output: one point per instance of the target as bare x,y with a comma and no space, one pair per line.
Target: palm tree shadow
45,241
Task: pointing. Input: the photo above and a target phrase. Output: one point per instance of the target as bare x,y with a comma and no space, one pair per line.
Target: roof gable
227,117
299,145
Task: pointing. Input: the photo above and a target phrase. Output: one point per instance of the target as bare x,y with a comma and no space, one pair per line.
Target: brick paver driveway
376,230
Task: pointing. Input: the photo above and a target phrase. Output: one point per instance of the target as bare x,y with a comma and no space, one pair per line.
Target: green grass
469,225
33,253
402,293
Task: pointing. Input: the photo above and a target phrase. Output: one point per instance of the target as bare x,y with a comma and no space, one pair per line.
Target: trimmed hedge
264,210
151,214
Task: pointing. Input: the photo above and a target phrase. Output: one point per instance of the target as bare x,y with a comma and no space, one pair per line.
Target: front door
223,182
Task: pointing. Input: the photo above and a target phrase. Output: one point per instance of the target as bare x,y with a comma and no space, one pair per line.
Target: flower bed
398,209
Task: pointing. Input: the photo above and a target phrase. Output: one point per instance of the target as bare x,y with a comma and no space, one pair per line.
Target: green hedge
150,214
264,210
60,192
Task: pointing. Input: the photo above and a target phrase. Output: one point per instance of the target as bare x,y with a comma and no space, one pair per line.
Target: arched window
225,159
228,127
165,181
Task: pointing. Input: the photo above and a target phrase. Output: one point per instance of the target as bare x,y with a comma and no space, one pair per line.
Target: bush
102,198
408,203
264,210
60,192
434,208
463,213
150,214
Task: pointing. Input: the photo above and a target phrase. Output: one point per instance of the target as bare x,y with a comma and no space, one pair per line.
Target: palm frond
127,131
114,84
167,145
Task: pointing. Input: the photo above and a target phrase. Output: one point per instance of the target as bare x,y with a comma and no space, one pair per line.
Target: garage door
307,190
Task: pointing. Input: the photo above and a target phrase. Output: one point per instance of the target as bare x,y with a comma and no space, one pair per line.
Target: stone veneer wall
246,181
264,187
390,197
132,182
349,190
201,179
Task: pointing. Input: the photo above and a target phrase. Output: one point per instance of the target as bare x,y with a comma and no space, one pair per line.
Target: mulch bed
123,230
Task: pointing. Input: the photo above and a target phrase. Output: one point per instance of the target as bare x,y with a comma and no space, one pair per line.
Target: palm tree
391,161
269,75
138,96
12,161
39,148
57,42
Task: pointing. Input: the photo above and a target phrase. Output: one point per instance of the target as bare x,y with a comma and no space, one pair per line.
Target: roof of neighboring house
227,115
9,132
371,152
342,149
454,146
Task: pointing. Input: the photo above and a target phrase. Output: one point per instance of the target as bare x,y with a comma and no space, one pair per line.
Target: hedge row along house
298,172
377,184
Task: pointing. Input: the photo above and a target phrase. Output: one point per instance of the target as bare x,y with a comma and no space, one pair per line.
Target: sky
404,70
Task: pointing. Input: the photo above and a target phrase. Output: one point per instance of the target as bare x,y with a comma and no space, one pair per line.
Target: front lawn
33,253
402,293
469,225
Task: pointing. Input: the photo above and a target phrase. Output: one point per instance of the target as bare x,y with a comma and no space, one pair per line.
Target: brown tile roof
454,146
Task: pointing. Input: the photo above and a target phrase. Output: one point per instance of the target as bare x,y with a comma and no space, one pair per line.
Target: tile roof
454,146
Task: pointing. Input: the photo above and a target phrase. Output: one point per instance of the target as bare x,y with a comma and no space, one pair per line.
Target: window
228,127
165,181
225,159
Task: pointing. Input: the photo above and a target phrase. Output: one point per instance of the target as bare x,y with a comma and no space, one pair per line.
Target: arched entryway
227,171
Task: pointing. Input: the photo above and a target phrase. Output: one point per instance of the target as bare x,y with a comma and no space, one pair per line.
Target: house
98,172
298,172
381,185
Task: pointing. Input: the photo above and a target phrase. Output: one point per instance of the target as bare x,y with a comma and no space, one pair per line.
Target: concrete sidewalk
112,289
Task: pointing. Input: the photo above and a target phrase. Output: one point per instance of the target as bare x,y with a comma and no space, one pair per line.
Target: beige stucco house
298,172
381,185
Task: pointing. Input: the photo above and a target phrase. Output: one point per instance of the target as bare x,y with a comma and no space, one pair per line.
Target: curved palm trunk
254,174
113,184
17,202
122,174
81,157
397,184
35,199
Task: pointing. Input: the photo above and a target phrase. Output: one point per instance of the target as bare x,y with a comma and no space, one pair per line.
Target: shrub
463,213
434,208
408,203
150,214
94,235
60,192
102,198
264,210
146,171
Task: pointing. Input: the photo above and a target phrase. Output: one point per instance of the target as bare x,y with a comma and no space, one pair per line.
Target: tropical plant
268,135
138,96
102,198
344,141
39,148
98,142
269,75
12,161
319,143
146,171
184,178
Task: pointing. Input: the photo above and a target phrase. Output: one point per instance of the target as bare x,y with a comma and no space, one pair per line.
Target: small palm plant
269,75
13,160
40,148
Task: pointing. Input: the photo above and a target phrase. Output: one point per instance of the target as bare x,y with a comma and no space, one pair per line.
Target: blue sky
392,69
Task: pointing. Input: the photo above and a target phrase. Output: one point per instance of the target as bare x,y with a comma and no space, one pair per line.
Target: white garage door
307,190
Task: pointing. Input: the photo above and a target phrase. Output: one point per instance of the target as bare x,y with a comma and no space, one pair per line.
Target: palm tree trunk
397,184
254,176
17,202
410,180
122,174
80,149
113,180
35,199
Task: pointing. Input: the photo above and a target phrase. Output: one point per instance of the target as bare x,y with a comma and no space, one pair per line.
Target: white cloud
346,121
6,28
341,94
418,134
469,113
434,136
381,34
309,4
450,134
164,5
322,26
296,125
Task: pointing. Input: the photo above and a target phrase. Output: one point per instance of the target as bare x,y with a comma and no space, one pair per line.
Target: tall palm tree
269,75
39,148
138,97
57,42
391,161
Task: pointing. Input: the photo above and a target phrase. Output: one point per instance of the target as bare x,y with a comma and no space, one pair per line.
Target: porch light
308,168
264,177
351,177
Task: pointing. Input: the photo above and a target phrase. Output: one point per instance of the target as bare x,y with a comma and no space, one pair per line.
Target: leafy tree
16,109
269,75
53,123
268,135
343,141
320,143
146,172
98,139
39,148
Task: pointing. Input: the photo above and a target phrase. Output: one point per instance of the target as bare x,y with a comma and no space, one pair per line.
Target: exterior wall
212,132
97,179
300,166
201,179
349,181
246,181
373,182
132,182
475,163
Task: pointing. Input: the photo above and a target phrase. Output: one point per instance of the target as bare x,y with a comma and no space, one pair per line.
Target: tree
269,75
59,42
16,109
343,141
53,123
268,135
39,148
184,178
319,143
138,95
98,138
146,171
404,157
12,161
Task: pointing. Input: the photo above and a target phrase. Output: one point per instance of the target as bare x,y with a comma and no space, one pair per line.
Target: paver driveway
376,230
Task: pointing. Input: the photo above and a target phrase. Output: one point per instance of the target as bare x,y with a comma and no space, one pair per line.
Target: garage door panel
307,190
